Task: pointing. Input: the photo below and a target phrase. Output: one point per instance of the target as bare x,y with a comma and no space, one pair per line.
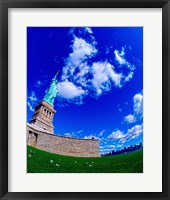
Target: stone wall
43,116
62,145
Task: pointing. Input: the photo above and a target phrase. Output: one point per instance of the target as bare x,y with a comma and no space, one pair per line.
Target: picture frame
4,91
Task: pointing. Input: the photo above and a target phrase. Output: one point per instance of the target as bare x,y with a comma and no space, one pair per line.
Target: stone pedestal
43,116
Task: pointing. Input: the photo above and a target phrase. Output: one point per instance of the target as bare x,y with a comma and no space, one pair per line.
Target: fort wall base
46,141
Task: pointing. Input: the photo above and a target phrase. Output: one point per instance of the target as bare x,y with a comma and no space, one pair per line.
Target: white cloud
135,130
122,140
81,50
80,31
103,75
108,147
138,105
30,106
119,139
129,76
116,135
89,30
122,62
80,131
91,136
101,133
83,70
82,76
75,75
73,133
130,118
31,101
32,97
119,145
131,133
69,91
120,58
137,109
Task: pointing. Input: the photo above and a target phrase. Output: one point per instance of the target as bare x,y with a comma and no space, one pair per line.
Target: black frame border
4,5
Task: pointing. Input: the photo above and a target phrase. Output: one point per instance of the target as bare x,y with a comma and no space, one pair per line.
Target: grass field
39,161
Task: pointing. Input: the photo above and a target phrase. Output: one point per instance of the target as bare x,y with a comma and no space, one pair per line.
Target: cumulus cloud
132,133
32,97
103,75
74,75
69,91
82,76
119,56
135,131
119,139
121,60
81,50
31,108
80,31
130,118
31,101
138,105
129,76
137,109
76,72
89,30
116,135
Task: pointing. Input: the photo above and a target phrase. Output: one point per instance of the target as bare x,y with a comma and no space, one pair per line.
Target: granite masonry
43,116
44,140
40,134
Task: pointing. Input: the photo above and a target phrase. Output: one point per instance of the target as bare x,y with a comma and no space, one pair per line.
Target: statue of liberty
52,91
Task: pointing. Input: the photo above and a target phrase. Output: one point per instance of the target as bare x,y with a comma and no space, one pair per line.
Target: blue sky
100,82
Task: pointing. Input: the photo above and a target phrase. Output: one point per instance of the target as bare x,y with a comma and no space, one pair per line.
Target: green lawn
39,161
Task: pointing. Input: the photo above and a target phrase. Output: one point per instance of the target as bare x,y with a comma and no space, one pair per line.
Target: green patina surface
52,91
